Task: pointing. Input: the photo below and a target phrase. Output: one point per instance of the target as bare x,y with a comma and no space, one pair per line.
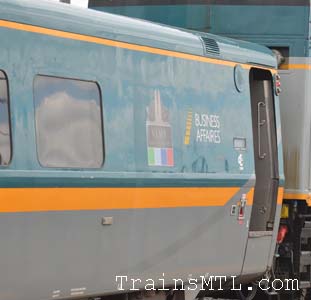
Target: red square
170,157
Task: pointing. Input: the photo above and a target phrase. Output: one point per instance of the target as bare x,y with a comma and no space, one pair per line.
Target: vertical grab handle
259,125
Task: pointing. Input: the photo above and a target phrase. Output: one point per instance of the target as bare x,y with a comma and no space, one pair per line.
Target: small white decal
241,162
77,291
56,294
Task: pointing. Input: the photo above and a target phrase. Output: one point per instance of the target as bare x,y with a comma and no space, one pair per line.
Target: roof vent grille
211,46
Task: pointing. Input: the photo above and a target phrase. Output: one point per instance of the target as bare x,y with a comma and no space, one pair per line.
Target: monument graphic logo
159,134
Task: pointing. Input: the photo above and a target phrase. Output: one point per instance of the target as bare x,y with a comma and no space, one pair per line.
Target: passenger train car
132,149
282,25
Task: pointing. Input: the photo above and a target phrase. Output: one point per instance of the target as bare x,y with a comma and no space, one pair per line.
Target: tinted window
5,132
68,123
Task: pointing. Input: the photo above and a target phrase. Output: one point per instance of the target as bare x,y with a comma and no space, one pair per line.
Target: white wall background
82,3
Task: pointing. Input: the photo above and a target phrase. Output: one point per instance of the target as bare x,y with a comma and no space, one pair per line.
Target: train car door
266,169
265,151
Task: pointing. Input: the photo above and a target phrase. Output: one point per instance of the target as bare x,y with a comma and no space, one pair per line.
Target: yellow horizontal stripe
293,196
250,196
106,42
74,199
280,195
64,199
296,67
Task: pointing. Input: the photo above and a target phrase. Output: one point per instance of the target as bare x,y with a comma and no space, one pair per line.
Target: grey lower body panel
257,254
55,255
261,248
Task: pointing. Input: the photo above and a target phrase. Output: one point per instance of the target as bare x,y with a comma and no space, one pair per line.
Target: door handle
259,125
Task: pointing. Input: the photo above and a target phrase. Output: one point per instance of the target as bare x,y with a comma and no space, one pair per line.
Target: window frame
100,98
3,166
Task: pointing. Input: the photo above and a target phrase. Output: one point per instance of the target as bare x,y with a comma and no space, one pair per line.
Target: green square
151,160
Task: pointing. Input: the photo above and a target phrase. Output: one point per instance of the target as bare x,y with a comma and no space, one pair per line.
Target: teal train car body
131,149
282,25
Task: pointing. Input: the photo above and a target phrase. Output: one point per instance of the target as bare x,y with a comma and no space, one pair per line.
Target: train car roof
68,18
